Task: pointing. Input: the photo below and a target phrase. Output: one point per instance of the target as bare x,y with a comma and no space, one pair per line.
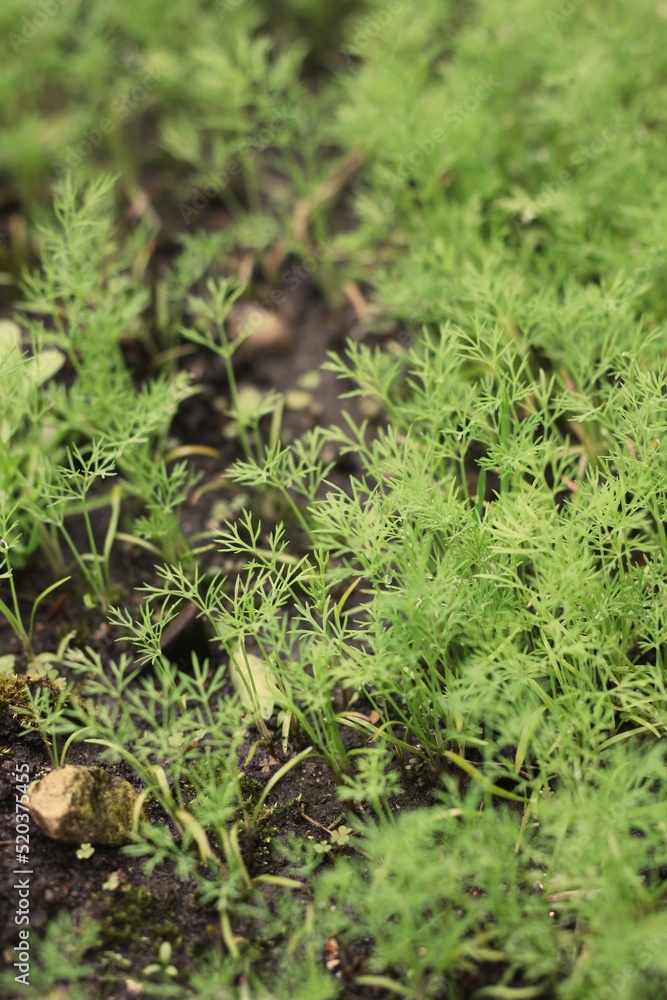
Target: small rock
298,399
310,380
77,805
267,331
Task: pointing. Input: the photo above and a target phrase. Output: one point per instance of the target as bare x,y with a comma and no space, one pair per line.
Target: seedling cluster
466,633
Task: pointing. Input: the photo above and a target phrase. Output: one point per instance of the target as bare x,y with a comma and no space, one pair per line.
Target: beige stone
83,805
267,331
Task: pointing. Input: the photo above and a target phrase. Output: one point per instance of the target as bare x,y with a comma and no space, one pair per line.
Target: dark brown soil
145,910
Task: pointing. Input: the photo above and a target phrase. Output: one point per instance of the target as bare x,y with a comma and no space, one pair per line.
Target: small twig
560,897
321,826
325,191
359,303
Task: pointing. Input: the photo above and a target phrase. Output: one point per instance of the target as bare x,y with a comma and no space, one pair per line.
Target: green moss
133,918
251,789
15,691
